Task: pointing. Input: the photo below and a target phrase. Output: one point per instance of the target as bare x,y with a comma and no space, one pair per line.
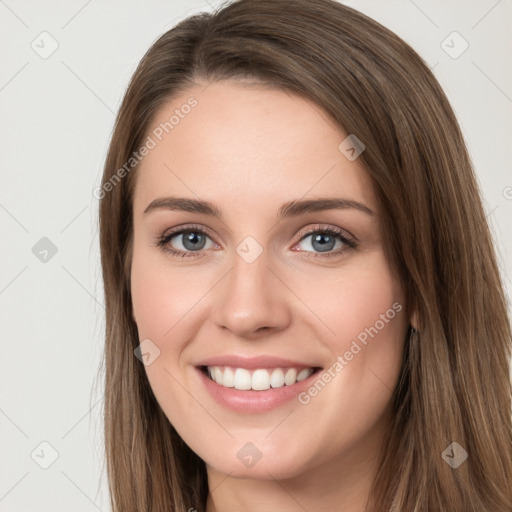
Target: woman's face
260,293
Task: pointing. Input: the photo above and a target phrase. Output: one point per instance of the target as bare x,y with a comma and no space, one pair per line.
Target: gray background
57,113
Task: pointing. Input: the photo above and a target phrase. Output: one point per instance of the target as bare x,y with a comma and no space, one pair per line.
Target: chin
272,464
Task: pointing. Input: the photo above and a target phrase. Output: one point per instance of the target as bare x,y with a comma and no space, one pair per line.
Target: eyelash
342,235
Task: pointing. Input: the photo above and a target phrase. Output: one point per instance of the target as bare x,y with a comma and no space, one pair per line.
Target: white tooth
260,380
217,375
304,374
229,378
290,377
277,378
242,379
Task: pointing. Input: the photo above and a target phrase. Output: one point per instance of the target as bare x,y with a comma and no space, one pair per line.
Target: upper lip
263,361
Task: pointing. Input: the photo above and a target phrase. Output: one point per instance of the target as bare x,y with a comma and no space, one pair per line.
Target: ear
414,320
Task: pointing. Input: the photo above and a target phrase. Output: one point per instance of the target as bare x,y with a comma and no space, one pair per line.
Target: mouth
257,379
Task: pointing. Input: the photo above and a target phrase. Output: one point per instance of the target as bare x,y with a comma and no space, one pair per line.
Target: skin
249,149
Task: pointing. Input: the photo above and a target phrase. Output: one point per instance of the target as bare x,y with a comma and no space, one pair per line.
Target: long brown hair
455,383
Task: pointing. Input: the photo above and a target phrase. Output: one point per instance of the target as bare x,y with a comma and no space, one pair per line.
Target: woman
303,306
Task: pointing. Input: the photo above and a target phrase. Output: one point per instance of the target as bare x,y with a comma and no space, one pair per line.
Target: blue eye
324,241
192,239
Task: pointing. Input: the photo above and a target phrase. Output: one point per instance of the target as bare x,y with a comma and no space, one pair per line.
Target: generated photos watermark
341,361
151,142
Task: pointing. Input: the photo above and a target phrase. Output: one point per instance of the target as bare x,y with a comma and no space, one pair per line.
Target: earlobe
414,321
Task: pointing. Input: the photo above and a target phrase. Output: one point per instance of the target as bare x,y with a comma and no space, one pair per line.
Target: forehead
246,146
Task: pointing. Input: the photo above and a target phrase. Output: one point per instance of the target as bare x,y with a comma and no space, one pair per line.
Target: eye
189,240
324,240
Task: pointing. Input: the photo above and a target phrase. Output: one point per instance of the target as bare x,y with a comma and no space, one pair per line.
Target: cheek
163,305
355,302
363,314
162,297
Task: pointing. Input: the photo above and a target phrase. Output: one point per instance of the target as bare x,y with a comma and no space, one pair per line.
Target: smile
260,379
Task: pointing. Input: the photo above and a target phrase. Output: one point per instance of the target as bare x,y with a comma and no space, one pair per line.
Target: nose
251,300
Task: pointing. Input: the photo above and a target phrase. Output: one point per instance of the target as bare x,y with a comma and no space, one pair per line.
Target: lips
251,401
256,373
257,362
256,383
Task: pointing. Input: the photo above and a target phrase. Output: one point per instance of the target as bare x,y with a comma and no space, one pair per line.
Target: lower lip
252,401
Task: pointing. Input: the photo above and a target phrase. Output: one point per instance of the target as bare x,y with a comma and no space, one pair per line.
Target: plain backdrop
65,67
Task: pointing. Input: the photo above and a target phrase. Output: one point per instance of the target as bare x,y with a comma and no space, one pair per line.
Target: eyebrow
289,209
